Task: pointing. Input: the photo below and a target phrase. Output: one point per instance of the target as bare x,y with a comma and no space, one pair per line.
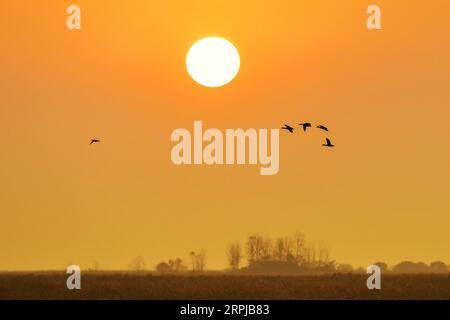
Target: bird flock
287,127
305,127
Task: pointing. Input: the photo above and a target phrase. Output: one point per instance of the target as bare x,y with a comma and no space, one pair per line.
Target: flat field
116,285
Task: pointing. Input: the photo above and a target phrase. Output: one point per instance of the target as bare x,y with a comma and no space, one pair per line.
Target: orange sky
382,194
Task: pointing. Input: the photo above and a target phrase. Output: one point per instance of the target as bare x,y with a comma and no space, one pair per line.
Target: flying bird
322,127
328,144
289,128
305,125
94,141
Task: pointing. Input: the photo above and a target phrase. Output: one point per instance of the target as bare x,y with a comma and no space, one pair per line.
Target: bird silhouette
322,127
289,128
328,144
94,141
305,125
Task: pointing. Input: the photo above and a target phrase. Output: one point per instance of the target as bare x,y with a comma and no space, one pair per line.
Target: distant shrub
137,264
411,267
163,267
345,268
382,265
172,266
438,267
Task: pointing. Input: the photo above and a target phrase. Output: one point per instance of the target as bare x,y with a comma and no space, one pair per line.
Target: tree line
258,250
286,254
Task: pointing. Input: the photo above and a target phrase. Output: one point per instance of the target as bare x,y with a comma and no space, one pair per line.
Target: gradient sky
382,194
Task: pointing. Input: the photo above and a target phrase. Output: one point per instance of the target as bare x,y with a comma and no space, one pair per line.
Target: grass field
148,286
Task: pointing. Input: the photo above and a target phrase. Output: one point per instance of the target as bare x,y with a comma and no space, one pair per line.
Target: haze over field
381,195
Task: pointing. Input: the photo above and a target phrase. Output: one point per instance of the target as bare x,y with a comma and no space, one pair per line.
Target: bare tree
137,264
279,249
310,253
193,255
299,247
178,265
323,254
283,249
259,248
198,260
288,248
234,256
292,249
251,249
201,260
265,248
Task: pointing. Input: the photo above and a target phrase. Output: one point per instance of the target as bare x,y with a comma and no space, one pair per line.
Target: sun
213,62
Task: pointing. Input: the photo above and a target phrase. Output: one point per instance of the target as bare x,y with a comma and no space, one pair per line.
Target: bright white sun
213,62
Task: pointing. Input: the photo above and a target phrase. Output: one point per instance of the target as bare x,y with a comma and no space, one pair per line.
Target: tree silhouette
172,266
382,265
137,264
198,260
411,267
299,247
438,267
234,254
163,267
